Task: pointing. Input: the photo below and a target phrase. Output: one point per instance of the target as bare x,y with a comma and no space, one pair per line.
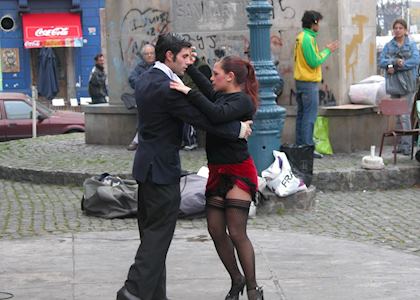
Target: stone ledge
339,180
339,110
392,177
106,108
272,204
108,124
48,177
351,127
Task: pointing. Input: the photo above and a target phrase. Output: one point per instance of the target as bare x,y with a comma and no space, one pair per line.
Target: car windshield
45,110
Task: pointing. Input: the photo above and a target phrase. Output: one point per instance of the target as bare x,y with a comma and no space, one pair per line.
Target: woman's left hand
179,86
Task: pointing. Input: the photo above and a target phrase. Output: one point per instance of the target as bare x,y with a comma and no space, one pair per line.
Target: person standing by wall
98,90
308,74
189,136
400,56
148,59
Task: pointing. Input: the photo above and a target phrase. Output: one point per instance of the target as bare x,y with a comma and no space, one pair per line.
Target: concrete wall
109,124
357,27
219,27
349,130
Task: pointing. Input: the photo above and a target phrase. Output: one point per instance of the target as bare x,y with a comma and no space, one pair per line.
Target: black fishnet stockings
234,218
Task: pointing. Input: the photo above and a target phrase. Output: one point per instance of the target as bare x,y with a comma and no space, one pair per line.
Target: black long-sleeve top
221,108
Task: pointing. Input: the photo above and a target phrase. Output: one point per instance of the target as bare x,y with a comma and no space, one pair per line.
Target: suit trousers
158,208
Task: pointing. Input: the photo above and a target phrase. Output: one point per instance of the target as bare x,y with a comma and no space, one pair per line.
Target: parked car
16,118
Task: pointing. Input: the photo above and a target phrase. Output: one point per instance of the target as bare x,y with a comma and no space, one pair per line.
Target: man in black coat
97,81
157,165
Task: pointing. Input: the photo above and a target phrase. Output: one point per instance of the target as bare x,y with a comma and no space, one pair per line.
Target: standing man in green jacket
308,74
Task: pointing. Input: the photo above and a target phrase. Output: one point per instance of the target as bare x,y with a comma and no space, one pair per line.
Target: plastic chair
393,108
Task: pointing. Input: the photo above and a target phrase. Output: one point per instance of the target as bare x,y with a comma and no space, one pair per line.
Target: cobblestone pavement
388,218
70,153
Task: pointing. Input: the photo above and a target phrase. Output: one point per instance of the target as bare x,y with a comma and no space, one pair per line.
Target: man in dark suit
157,165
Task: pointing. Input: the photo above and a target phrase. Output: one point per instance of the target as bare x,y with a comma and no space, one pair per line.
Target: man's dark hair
97,56
170,42
310,17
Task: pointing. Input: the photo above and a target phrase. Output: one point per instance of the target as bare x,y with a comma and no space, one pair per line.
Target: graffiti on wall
352,48
286,11
140,27
225,44
209,15
215,27
201,41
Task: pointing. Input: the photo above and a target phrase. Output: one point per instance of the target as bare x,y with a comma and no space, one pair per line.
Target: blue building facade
74,63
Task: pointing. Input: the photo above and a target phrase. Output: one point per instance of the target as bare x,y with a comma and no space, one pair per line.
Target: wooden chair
415,117
393,108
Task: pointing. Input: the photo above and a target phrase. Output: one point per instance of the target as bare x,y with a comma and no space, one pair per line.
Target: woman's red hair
244,75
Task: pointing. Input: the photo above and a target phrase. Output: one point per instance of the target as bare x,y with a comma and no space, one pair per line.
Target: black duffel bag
301,160
109,197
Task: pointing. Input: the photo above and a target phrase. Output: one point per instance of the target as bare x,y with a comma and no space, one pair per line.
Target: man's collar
165,69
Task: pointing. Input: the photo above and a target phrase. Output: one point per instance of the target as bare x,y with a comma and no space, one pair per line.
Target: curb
48,177
360,179
392,177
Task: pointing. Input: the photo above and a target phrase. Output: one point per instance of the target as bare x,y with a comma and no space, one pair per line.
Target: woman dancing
232,181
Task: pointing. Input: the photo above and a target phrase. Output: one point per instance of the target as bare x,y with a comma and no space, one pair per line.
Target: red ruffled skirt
222,178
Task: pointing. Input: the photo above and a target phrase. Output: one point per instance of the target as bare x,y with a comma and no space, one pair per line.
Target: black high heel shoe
236,289
256,294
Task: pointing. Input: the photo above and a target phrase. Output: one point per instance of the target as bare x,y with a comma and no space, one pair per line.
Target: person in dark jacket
157,167
232,182
189,136
97,81
148,59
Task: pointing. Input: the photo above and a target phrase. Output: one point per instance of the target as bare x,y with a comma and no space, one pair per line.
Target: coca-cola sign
57,31
52,30
32,44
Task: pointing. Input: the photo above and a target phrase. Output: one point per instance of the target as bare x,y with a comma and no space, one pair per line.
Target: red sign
52,30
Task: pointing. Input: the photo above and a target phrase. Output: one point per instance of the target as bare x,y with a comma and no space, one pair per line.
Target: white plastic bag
280,178
368,91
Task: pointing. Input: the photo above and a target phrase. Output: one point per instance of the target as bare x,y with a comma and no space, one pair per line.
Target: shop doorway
61,55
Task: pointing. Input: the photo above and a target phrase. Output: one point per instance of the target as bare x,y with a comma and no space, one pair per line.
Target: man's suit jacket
161,112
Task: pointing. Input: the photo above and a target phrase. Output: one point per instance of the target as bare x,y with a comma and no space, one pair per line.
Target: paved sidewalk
385,218
290,266
355,243
66,159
